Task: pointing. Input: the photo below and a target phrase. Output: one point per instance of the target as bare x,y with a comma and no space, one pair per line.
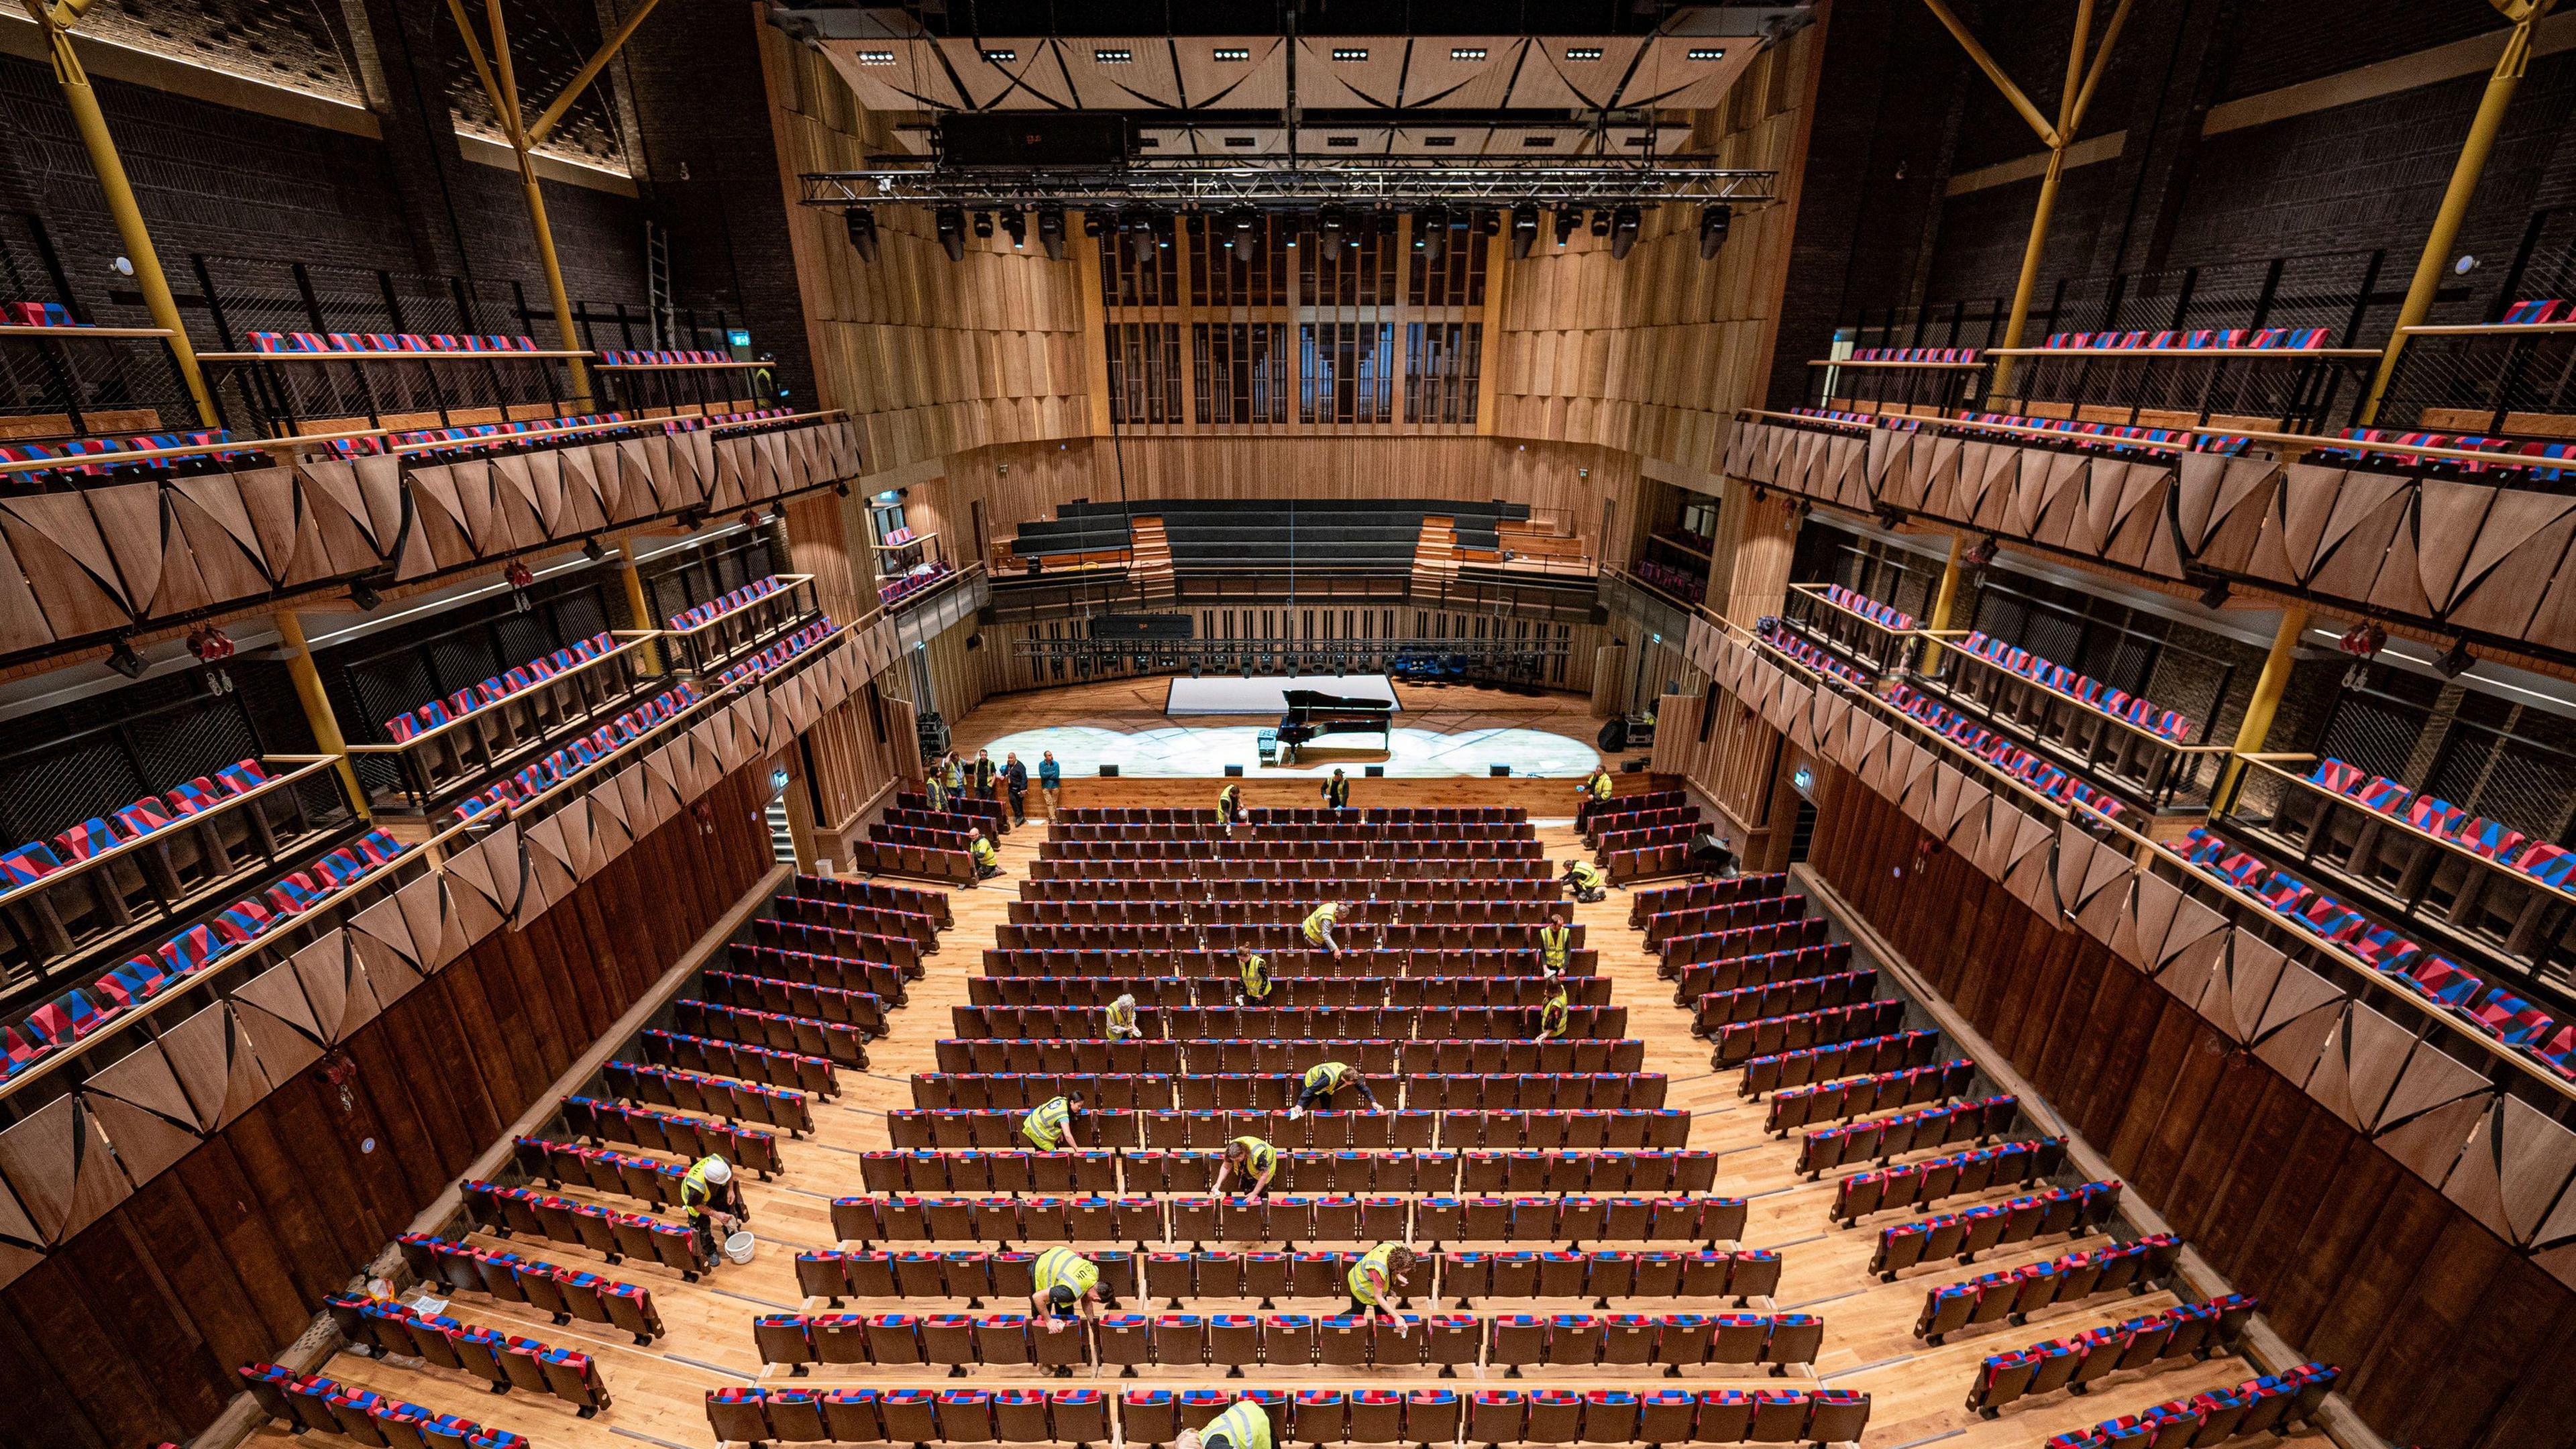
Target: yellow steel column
637,603
1944,599
317,704
2501,83
2257,724
103,158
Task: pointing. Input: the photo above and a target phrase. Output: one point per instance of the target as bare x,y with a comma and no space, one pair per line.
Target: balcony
711,637
449,749
65,379
1870,637
2156,757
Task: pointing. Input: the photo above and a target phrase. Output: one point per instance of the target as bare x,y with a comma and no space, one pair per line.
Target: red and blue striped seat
2534,313
29,864
90,837
2435,816
2383,795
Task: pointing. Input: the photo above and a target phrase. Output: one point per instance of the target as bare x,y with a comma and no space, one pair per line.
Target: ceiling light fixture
950,223
1623,231
1001,57
1229,53
863,231
1700,52
1466,52
1350,52
1524,229
1567,219
122,658
1051,231
1714,220
1583,52
2455,661
876,57
1114,57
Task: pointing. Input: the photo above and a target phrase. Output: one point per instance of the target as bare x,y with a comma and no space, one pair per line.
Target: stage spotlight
1980,553
1331,225
1600,221
1714,219
1623,230
122,658
2214,595
365,597
1489,223
983,226
1524,229
1433,234
2455,661
1051,231
863,231
593,550
1567,219
1094,222
1017,225
951,224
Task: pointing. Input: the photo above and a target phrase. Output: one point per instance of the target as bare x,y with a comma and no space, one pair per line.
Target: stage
1267,693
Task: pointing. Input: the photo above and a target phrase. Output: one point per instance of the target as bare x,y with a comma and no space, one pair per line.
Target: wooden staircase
1150,562
1435,556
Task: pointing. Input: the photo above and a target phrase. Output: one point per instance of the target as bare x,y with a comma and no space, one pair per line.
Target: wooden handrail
630,637
2271,765
19,329
306,766
2302,442
437,355
787,586
1947,639
312,441
2347,353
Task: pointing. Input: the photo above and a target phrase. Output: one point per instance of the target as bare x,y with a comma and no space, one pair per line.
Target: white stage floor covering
1265,693
1205,750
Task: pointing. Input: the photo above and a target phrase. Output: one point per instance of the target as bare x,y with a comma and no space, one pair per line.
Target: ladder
657,284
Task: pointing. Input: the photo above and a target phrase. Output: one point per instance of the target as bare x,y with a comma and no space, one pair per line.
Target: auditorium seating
1644,906
428,775
1433,1220
615,1235
1160,1170
834,966
948,862
309,1401
1456,1130
740,1059
1286,906
2014,1294
1260,815
1922,1184
778,655
863,1009
503,1360
1806,940
1962,1235
672,1132
2262,1405
563,1294
2201,1330
1738,1042
1235,538
1883,1139
2154,766
2515,460
694,1091
1230,1091
1663,925
1387,869
1858,1096
1779,1070
874,895
1193,1026
1506,1051
1225,965
919,579
1165,994
1280,937
841,1042
1414,893
1785,638
1746,1004
1346,852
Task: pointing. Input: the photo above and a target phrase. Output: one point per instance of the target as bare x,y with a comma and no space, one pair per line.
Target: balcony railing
2504,379
716,644
62,379
2162,770
1875,645
447,762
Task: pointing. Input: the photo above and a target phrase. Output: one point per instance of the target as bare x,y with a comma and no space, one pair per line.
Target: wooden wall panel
2438,1323
128,1334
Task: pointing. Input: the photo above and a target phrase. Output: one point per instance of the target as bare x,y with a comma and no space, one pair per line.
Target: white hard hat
718,1170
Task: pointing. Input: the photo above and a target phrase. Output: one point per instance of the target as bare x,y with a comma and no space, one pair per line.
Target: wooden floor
1918,1391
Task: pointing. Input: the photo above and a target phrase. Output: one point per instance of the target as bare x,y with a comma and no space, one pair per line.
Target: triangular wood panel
61,1168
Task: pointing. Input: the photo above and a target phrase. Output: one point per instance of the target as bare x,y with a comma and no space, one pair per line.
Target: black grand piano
1313,714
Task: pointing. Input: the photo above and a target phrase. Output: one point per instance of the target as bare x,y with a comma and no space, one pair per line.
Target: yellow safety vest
1327,1077
1245,1426
1318,920
1585,875
1045,1126
983,851
1256,977
1229,800
1600,784
1552,1016
1371,1277
1121,1017
1337,793
1262,1156
695,1191
1553,943
1065,1268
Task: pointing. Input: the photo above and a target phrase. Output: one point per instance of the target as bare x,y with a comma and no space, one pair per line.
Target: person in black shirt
1337,792
1015,779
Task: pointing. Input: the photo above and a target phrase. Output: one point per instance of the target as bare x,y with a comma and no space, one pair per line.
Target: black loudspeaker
1143,626
1377,772
1032,138
1497,771
1234,772
1109,772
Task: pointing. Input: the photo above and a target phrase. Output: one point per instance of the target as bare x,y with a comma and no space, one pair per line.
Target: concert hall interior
1264,724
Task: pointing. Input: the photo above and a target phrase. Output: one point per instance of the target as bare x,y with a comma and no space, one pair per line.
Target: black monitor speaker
1234,772
1109,772
1377,772
1497,771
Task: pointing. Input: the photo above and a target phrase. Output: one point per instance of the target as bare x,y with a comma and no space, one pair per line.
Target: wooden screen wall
128,1335
2448,1337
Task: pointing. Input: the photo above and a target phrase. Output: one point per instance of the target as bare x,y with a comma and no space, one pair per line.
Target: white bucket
738,1248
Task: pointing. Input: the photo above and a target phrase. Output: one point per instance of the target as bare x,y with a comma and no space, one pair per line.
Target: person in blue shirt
1050,778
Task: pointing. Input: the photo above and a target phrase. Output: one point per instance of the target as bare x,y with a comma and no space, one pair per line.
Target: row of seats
838,1041
2493,1010
861,1009
1689,585
1695,979
1746,1004
1647,837
1211,856
660,1131
1859,1096
699,615
1251,831
1806,934
1961,1236
2189,1330
1594,812
864,919
35,860
504,1360
1645,905
1739,1042
995,816
1465,1275
1277,936
1193,1170
2003,753
874,894
309,1401
2262,1405
1647,862
84,1009
533,780
312,342
1301,889
2550,865
923,836
2137,710
884,857
917,579
1230,1091
2516,459
752,1415
1914,354
593,427
818,1075
1581,1052
694,1091
1287,993
603,1169
616,1236
1237,1341
2265,339
777,655
1298,815
1409,1130
1786,637
1191,1026
1433,1220
954,821
2014,1294
560,1293
1390,871
830,963
1158,909
1355,962
1883,1139
691,357
1922,1184
1602,824
1886,616
1768,910
1869,1055
503,685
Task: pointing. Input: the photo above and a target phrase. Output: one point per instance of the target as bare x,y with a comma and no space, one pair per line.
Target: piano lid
1304,699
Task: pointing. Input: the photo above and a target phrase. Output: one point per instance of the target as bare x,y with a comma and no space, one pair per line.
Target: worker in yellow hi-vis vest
1244,1426
1588,881
1319,925
1555,946
1323,1085
988,861
1049,1127
1229,806
1255,1160
1377,1277
1553,1015
1256,978
1590,794
1068,1296
1122,1019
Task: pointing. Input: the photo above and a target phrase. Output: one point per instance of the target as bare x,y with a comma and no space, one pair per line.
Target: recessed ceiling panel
1688,73
1576,71
1463,72
1351,72
1004,74
1249,73
895,75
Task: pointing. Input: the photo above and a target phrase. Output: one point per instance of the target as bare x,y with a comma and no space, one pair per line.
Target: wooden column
2257,723
317,705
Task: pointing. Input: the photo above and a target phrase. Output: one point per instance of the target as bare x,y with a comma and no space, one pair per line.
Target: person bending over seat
1256,979
1320,922
1324,1084
1337,792
1068,1296
1229,806
1049,1127
712,1202
1122,1020
1255,1159
1590,795
1552,1015
1244,1426
1372,1281
1587,880
1555,945
988,861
